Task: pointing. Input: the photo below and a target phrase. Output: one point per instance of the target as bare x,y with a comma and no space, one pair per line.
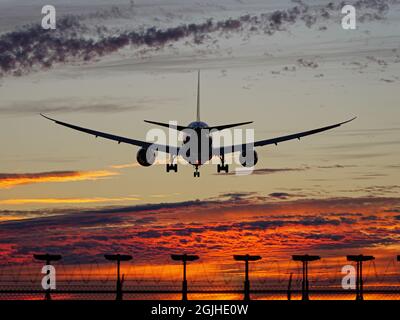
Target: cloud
263,171
11,180
145,220
67,217
71,105
337,166
266,171
394,210
35,108
32,48
280,195
65,200
237,195
278,170
387,80
136,165
334,237
212,228
307,63
125,166
256,225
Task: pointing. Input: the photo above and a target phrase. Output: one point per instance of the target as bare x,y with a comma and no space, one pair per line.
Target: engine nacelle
248,161
145,157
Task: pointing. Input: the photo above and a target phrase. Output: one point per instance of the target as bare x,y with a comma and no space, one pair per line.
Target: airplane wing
119,139
260,143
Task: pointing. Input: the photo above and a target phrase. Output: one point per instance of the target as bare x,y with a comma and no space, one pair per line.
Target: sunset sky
331,194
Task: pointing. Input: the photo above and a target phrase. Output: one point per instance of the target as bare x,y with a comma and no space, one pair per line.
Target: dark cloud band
32,48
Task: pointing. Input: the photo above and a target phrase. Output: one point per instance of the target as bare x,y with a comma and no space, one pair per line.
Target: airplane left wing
260,143
119,139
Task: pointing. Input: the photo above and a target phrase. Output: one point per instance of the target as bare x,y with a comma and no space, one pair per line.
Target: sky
288,66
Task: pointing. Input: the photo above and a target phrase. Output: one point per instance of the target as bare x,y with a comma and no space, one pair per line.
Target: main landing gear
222,166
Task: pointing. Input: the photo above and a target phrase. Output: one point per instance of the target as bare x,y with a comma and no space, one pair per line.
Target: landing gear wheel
172,167
222,167
196,173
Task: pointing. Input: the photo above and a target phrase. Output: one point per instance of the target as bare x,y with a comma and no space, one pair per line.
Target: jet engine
248,161
145,157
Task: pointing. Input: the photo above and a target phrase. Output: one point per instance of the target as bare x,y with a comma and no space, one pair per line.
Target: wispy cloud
32,107
281,195
125,165
32,48
10,180
72,105
264,171
66,200
136,165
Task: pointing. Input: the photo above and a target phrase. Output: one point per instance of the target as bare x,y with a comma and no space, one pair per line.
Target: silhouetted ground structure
76,281
184,258
305,259
48,258
118,258
246,258
359,280
289,290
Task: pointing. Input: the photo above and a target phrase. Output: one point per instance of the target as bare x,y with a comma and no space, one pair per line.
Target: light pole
246,258
118,258
305,259
184,258
359,280
47,258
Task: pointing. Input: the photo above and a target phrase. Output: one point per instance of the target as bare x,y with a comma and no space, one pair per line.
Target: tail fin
198,97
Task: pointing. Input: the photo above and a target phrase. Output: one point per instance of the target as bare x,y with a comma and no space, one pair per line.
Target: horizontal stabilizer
167,125
227,126
181,128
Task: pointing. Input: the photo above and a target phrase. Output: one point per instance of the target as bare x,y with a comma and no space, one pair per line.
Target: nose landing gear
172,167
196,173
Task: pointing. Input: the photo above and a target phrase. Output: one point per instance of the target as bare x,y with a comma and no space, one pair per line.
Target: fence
268,280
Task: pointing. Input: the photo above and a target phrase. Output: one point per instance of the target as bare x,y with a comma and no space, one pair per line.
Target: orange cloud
125,166
136,165
10,180
331,228
65,200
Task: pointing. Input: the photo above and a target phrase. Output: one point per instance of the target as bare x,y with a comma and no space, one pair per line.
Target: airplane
193,150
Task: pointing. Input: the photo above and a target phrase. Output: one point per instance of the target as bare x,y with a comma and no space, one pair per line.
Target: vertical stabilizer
198,97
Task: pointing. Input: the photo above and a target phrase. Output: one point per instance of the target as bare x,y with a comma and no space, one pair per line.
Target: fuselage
197,143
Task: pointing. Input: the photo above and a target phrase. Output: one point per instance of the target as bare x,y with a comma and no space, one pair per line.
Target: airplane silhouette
197,146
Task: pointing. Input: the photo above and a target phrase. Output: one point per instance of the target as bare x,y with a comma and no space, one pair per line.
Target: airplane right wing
159,147
298,135
260,143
